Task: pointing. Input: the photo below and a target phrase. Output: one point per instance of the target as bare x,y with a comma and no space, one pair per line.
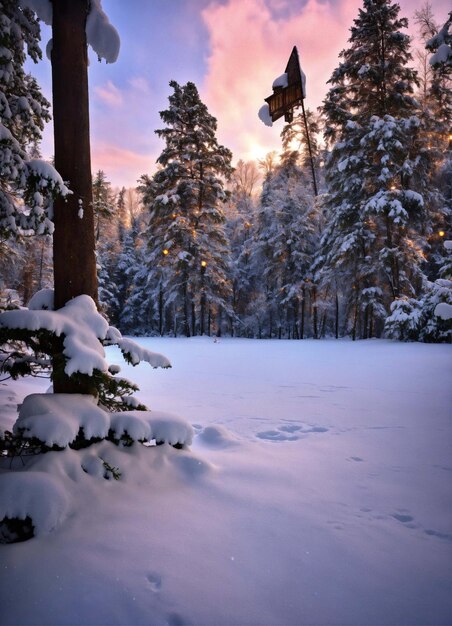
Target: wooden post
311,158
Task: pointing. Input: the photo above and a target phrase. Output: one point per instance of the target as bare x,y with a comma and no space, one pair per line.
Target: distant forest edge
202,248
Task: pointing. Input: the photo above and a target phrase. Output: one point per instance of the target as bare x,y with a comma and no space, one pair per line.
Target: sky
231,49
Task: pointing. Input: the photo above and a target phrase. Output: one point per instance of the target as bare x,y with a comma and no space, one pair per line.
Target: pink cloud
249,48
110,94
140,84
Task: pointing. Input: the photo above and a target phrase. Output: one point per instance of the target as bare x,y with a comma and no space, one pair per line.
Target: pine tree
27,185
187,247
107,243
240,225
376,172
286,239
103,204
438,122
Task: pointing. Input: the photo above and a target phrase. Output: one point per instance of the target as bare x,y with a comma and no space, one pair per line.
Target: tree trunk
314,312
336,316
303,308
193,318
73,240
186,323
160,311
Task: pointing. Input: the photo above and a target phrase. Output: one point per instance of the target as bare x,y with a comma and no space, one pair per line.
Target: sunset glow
231,49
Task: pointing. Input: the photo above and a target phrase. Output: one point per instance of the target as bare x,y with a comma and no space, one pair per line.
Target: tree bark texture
73,241
74,259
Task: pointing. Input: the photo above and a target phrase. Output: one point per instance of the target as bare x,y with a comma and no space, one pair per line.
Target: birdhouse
288,90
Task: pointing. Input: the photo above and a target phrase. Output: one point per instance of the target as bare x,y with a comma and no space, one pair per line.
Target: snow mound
191,466
36,495
444,310
150,425
217,437
42,300
56,419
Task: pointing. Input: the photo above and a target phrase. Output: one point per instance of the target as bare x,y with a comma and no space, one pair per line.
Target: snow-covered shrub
30,339
414,319
27,186
60,420
403,322
435,328
30,503
77,333
81,332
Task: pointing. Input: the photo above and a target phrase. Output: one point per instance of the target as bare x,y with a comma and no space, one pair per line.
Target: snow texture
281,81
442,55
37,495
303,83
83,329
150,425
332,506
134,352
81,325
42,300
444,311
264,115
100,34
57,418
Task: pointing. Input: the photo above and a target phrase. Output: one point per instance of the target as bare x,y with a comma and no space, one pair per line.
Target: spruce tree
103,205
187,248
376,173
27,185
286,239
240,226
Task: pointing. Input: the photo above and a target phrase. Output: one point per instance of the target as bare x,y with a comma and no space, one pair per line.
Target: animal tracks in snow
409,522
155,581
290,432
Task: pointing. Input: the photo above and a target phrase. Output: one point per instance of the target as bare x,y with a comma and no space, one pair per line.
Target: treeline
203,248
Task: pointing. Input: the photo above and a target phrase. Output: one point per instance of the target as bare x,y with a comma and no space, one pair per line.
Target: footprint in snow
436,533
276,435
174,619
406,520
155,581
401,517
289,432
289,428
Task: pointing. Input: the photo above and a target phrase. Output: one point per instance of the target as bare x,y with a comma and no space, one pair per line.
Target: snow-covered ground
317,491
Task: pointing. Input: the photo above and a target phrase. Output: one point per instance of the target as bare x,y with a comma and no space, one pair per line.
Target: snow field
316,491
